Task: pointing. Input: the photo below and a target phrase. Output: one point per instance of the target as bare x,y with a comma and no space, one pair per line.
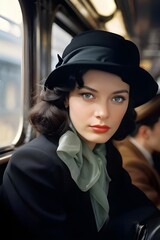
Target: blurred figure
141,150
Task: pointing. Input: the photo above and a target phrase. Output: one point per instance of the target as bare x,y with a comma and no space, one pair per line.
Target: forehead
104,79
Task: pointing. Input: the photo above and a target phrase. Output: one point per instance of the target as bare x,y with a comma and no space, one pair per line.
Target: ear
145,131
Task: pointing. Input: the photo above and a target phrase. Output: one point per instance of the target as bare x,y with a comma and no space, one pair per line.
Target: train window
60,39
10,72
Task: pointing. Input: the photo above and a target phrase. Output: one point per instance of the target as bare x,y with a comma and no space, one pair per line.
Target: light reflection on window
10,72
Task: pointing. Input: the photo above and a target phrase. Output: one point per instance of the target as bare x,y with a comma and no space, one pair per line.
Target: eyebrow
116,92
89,88
121,91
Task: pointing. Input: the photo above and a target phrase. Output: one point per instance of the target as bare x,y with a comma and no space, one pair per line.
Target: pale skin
97,109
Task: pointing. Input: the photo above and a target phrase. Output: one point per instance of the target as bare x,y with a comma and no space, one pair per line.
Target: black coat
46,204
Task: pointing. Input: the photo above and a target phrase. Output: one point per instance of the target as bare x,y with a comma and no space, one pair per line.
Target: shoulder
36,161
127,149
40,152
39,144
40,141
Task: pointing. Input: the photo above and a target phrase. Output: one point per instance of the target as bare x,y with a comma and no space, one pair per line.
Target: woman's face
97,109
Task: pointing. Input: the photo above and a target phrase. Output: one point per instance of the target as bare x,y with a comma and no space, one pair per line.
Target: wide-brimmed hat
110,52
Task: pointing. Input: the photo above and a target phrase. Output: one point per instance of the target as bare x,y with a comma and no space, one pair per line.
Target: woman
69,183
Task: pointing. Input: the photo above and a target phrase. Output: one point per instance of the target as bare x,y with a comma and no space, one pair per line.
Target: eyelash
87,93
119,97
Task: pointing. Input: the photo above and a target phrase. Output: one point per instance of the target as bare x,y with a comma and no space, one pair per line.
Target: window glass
10,72
60,39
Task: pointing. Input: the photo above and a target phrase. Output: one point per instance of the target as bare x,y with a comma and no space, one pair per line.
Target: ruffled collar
88,170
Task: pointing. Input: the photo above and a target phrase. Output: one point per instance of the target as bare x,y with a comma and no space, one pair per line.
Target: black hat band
100,55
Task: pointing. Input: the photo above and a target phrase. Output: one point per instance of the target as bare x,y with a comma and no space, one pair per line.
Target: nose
102,111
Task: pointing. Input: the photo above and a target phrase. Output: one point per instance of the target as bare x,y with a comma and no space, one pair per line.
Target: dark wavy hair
50,117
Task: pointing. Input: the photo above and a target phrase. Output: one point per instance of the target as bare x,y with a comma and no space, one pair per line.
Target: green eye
118,99
87,95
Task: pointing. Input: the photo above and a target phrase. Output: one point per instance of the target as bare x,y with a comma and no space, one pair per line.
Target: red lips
100,128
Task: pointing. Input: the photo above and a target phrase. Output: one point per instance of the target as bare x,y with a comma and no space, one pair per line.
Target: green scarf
88,170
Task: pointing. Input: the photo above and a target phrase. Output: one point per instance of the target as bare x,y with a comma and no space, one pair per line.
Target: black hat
98,49
149,111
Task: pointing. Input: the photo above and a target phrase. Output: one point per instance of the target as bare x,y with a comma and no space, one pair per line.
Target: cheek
156,134
76,110
155,141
